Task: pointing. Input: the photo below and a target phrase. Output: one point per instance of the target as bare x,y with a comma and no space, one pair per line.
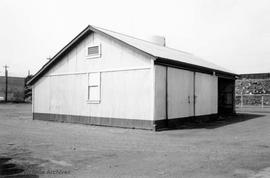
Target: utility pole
6,76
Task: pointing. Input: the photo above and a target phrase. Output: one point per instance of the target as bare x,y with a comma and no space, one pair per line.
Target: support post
241,104
166,91
262,101
6,77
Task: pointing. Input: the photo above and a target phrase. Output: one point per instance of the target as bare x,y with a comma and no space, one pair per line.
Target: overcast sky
234,34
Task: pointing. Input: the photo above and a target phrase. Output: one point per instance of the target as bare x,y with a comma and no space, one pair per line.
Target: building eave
196,68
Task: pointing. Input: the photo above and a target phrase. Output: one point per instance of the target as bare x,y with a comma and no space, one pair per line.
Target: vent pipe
159,40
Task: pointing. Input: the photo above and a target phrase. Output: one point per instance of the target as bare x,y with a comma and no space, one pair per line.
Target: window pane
94,79
93,93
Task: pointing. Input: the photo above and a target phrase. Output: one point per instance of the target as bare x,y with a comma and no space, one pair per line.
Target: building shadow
220,121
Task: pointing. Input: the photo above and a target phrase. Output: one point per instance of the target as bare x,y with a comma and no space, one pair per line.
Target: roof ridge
127,35
122,34
185,55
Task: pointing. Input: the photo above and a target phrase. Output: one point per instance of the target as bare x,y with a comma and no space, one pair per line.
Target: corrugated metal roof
163,51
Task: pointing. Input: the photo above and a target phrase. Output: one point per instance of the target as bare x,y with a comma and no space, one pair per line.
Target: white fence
258,100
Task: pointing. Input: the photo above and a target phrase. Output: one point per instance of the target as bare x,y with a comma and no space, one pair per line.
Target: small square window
93,51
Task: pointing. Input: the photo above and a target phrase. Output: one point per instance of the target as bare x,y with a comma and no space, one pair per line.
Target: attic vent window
93,51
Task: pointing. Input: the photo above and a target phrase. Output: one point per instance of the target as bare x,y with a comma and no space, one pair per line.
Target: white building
107,78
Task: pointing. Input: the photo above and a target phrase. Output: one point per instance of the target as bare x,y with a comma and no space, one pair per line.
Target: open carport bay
238,146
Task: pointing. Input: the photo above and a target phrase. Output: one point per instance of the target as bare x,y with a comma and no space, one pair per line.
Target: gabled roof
164,52
157,51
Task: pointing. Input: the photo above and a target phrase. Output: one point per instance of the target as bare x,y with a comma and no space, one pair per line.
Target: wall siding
126,83
114,56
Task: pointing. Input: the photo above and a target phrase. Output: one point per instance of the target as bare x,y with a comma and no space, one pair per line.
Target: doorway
226,89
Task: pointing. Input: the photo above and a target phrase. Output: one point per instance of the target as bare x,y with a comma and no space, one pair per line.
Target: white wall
41,95
114,56
126,83
127,97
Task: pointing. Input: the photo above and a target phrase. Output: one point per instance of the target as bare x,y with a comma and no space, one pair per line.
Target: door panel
205,94
180,93
160,92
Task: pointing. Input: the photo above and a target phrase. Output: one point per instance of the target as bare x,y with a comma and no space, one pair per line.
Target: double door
190,93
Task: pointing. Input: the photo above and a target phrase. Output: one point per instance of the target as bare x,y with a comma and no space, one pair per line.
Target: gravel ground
237,146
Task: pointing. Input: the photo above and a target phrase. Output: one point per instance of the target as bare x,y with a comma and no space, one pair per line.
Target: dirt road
237,147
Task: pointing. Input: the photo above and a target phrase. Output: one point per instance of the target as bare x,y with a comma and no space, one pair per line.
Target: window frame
98,55
89,85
